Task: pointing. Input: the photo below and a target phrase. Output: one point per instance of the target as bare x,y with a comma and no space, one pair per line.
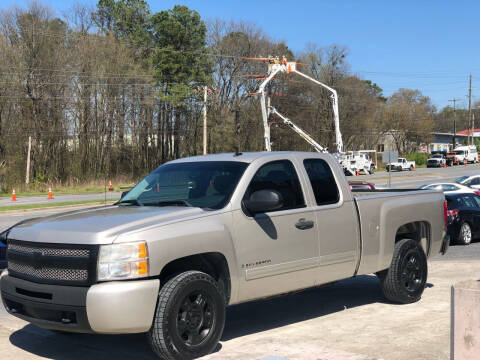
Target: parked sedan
472,181
450,188
463,217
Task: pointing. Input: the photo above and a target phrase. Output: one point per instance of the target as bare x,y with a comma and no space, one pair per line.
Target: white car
472,181
450,188
401,164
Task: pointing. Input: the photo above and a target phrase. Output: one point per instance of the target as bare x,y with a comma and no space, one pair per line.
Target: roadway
413,179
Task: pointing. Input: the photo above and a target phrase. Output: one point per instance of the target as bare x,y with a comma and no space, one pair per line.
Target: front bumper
118,307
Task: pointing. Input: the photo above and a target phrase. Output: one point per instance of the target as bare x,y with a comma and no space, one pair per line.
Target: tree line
118,90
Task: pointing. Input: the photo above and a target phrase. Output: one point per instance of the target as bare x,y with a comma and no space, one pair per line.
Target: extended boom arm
299,131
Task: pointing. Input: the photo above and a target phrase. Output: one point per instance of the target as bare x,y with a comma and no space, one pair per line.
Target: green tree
179,58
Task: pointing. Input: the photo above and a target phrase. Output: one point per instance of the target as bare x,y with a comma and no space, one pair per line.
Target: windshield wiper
171,203
131,202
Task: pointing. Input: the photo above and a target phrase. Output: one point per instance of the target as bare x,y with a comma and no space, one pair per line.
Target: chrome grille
61,264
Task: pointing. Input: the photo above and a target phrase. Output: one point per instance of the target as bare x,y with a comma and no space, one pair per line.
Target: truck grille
59,264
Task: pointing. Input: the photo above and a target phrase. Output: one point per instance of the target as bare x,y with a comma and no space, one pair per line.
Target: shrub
419,158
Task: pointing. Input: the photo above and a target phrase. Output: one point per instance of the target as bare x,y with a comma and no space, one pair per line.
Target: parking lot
346,320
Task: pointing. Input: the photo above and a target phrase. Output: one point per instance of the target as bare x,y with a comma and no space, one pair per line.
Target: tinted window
460,179
469,201
205,184
454,202
447,187
322,180
475,181
282,177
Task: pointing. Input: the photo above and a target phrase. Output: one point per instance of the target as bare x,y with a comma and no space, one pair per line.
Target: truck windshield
459,152
204,184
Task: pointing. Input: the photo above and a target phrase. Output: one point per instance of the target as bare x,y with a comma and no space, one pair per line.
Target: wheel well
418,231
212,263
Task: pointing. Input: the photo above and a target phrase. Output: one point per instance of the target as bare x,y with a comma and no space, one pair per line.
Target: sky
424,44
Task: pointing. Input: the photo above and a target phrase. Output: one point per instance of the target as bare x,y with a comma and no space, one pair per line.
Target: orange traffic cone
444,165
357,173
465,162
415,167
110,186
50,194
14,196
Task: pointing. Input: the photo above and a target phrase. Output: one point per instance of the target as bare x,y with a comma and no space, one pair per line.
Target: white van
468,153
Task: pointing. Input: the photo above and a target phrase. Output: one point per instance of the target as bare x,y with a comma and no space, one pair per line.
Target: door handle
303,224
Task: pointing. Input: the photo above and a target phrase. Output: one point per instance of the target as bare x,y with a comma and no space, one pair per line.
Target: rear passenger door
337,223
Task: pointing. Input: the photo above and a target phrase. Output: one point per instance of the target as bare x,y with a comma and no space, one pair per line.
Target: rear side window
282,177
323,183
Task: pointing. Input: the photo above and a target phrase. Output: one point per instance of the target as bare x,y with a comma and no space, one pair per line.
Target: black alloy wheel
189,318
195,319
412,275
404,281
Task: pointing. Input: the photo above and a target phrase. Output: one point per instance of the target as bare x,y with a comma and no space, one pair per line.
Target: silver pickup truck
201,233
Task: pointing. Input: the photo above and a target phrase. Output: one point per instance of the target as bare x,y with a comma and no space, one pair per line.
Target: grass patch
51,205
89,188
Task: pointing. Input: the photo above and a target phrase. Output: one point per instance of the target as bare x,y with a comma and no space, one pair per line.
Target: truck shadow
243,319
257,316
51,345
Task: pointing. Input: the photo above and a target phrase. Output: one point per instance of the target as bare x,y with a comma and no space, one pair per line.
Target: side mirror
123,194
263,201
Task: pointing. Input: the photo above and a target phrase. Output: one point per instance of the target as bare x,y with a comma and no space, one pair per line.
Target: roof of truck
242,157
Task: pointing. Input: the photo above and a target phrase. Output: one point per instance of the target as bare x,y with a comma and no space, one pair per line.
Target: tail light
452,212
477,192
445,212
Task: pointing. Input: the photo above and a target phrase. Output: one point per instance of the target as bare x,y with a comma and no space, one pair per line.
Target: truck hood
100,225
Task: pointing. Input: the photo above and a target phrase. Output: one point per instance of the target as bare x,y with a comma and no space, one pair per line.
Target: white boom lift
299,131
290,67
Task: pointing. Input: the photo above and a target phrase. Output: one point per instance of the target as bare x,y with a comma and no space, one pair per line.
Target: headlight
123,261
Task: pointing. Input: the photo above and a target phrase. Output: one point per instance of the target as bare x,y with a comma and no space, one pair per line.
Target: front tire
404,281
189,318
465,234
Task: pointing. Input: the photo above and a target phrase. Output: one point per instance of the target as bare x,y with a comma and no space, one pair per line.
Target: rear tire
404,281
465,234
189,318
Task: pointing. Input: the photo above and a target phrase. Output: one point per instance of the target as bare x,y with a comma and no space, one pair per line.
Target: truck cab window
323,183
282,177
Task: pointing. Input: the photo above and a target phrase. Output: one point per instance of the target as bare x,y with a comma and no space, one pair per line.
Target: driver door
276,252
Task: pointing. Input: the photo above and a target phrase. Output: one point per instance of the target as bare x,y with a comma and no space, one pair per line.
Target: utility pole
454,121
205,120
470,133
27,176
